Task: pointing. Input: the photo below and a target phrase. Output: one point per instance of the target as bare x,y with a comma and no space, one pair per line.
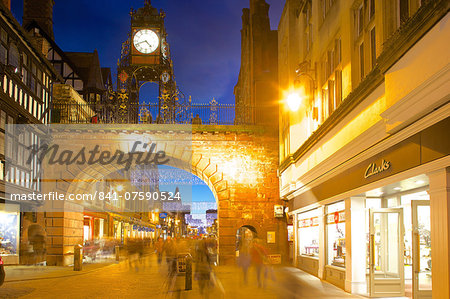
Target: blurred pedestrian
159,246
258,255
171,256
37,240
203,268
244,259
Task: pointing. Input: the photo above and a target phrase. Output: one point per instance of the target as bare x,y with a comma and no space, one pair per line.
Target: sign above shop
278,211
373,169
313,221
162,215
336,217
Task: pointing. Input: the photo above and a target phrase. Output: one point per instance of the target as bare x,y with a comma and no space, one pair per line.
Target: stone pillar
64,231
355,245
322,242
227,236
440,231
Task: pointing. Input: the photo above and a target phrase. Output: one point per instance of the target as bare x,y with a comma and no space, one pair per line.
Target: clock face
146,41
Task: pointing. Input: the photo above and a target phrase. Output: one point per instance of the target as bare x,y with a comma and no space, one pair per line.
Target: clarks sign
373,169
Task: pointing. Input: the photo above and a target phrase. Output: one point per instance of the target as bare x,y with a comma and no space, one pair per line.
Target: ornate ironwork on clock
145,57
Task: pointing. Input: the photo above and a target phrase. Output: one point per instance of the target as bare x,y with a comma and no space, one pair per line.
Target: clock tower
145,57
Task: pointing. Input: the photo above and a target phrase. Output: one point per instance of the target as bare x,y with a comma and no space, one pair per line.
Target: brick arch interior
205,170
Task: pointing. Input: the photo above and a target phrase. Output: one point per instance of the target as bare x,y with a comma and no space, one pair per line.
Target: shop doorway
411,250
386,270
417,242
421,249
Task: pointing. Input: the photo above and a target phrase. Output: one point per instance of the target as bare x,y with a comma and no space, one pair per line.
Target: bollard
188,283
117,253
77,257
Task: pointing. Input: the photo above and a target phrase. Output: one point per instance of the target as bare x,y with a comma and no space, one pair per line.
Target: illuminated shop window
335,228
308,233
9,233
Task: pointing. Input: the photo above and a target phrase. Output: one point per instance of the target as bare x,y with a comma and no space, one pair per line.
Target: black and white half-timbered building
26,80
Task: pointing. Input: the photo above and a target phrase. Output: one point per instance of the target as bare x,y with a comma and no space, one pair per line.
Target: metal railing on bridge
195,113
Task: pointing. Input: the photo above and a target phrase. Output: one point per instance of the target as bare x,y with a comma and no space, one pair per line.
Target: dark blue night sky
204,37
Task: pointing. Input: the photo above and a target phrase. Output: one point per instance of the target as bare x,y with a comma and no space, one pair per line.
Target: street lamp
293,100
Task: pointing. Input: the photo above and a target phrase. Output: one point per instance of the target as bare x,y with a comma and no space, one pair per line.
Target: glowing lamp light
119,188
293,100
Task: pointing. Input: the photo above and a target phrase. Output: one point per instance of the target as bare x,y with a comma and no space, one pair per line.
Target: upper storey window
326,6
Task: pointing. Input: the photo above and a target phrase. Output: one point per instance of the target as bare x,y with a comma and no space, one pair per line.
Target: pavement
24,273
146,279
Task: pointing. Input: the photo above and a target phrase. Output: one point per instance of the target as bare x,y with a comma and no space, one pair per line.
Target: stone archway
237,163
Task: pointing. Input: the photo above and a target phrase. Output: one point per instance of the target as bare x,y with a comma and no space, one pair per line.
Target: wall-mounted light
293,101
296,96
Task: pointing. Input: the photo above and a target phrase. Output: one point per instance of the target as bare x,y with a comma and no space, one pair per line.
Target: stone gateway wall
238,163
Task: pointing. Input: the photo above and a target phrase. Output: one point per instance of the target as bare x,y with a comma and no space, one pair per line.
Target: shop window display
9,226
308,233
335,220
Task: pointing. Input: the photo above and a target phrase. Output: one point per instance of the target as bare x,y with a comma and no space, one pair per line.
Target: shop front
369,229
308,241
95,225
9,233
335,243
387,233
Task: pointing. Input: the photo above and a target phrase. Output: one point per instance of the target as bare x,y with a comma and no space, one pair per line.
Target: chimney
41,12
7,3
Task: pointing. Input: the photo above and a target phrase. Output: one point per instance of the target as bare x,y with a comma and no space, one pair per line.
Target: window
338,51
373,47
24,68
13,58
335,229
338,88
4,36
361,60
3,54
326,6
360,20
308,233
308,26
2,119
371,9
3,46
330,65
331,98
324,104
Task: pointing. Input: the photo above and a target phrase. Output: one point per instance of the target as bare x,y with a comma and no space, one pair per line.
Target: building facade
256,89
81,94
26,80
364,146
